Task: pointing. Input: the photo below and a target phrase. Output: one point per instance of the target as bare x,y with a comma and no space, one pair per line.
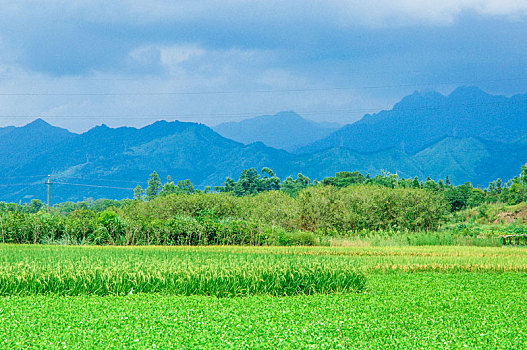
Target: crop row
96,271
230,271
397,311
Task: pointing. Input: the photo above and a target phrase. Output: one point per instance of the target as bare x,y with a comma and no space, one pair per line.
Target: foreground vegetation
376,280
417,311
270,218
223,272
317,216
229,271
261,210
414,297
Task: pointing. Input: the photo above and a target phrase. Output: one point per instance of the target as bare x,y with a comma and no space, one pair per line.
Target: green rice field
63,297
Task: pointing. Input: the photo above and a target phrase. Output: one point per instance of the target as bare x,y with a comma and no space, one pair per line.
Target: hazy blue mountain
20,145
285,130
471,159
422,119
522,140
6,129
328,162
124,157
109,162
462,159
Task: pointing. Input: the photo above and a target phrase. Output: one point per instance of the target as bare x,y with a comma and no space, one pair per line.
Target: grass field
414,297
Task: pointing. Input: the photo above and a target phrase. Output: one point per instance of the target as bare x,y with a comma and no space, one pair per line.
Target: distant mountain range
419,120
284,130
468,135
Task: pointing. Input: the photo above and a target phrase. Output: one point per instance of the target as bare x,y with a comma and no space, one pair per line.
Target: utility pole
48,191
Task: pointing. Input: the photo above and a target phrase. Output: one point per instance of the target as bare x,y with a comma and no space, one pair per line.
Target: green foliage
258,210
138,193
400,311
154,186
250,182
369,207
270,217
344,179
272,208
456,198
32,207
116,271
292,187
96,206
301,238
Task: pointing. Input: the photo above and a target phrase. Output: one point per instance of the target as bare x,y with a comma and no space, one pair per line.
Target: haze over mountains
423,118
285,130
467,135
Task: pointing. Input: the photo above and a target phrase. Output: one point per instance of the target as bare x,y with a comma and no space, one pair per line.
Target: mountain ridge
422,118
285,130
109,162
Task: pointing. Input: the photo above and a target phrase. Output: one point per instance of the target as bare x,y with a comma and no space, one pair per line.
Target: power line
94,179
222,92
97,186
69,177
223,115
21,184
135,116
22,176
66,183
472,68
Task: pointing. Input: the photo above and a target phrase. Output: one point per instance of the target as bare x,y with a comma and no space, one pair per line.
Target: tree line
257,209
251,182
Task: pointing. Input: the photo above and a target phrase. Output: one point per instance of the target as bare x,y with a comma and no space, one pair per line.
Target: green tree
523,175
292,187
139,193
416,183
248,182
185,186
344,179
228,186
34,206
269,181
169,187
154,186
458,197
516,191
430,185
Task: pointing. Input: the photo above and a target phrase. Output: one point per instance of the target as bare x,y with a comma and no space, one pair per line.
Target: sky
81,63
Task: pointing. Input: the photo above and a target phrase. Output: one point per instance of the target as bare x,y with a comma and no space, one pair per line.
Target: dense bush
271,217
108,228
195,205
361,207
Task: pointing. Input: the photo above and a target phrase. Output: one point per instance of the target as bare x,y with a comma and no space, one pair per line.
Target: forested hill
105,162
22,145
422,119
110,162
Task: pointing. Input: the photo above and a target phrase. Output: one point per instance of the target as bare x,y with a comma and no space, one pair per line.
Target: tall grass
105,270
110,228
230,271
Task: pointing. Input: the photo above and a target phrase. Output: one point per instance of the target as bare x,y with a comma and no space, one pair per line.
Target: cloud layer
341,12
132,62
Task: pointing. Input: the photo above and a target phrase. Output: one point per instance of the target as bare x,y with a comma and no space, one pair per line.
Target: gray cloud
346,12
330,60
